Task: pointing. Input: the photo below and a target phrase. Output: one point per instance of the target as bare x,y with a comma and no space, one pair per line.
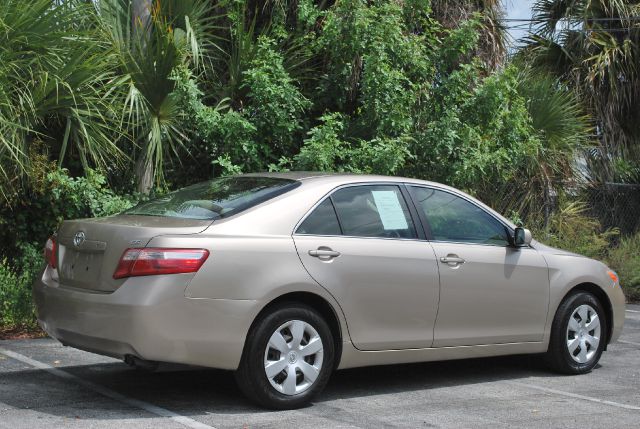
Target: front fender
568,272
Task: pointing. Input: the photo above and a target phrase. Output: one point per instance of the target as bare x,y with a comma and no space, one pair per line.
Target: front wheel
288,357
578,334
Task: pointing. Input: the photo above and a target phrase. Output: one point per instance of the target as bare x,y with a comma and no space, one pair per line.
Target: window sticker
390,210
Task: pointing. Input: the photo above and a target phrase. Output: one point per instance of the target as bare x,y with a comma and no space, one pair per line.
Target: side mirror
521,237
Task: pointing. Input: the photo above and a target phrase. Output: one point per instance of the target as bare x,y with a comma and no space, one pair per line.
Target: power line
585,30
629,18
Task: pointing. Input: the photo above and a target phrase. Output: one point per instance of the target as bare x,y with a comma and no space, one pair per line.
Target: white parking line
632,311
575,395
153,409
628,342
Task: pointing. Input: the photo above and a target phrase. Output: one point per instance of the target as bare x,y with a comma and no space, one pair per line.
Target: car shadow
198,391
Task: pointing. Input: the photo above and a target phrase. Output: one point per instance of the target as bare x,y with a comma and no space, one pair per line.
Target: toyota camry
286,277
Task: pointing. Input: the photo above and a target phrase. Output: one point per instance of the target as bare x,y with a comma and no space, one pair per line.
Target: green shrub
274,102
326,150
52,197
16,306
571,229
625,260
25,225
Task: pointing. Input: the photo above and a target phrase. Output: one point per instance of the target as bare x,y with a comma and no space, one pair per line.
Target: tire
289,388
574,349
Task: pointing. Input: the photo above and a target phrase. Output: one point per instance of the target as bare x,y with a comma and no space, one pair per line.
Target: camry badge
78,239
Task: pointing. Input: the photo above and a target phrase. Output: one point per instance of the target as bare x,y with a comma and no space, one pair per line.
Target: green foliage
223,137
25,226
571,229
476,136
274,103
626,171
625,260
227,166
83,196
461,41
53,197
52,66
325,150
16,278
377,68
149,44
598,59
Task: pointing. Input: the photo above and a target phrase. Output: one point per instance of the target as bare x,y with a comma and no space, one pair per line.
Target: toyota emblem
78,239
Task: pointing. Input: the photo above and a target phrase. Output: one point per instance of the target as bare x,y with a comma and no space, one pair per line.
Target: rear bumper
147,317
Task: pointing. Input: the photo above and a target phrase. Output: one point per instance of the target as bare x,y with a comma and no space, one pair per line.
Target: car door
361,244
491,292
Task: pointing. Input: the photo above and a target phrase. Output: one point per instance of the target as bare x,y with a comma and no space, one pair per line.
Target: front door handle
324,253
452,260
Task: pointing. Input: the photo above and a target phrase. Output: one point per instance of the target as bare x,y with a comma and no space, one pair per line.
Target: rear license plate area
80,269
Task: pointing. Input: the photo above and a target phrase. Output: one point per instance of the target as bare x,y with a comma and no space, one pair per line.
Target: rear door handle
452,260
324,253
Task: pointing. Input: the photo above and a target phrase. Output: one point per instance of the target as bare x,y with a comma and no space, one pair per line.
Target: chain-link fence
614,205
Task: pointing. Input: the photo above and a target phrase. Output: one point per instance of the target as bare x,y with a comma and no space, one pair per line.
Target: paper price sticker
390,210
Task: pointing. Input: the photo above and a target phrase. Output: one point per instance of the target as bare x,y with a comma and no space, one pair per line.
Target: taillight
50,252
154,261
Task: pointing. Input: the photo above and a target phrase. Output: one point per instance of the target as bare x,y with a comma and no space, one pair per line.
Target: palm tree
152,40
564,131
594,47
52,71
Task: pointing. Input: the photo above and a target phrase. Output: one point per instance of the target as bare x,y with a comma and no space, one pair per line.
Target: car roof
337,178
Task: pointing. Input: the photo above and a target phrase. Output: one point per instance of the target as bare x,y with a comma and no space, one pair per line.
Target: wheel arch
602,296
318,303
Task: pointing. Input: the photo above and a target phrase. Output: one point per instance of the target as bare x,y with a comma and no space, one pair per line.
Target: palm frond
53,69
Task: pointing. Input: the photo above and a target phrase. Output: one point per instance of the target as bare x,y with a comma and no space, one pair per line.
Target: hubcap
583,333
293,357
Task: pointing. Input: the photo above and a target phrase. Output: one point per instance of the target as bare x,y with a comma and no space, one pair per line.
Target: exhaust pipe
141,364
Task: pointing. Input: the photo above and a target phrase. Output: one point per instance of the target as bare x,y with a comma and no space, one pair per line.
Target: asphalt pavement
46,385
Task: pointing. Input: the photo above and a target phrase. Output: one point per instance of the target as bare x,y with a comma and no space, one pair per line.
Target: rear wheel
288,357
578,334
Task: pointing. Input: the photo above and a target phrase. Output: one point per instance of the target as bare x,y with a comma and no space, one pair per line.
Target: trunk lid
89,249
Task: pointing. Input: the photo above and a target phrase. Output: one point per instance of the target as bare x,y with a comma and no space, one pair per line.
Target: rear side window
373,211
217,198
322,221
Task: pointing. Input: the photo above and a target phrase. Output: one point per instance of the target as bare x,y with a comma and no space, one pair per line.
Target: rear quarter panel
249,268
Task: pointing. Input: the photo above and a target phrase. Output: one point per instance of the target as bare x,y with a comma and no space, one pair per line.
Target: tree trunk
141,13
144,173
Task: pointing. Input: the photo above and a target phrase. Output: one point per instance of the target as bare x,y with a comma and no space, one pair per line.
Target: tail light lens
154,261
50,252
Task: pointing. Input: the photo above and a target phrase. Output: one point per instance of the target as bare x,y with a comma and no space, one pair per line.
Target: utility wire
627,18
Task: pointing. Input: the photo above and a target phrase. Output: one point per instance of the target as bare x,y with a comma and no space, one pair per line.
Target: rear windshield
216,198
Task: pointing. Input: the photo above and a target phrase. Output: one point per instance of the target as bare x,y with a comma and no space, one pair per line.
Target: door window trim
427,226
414,215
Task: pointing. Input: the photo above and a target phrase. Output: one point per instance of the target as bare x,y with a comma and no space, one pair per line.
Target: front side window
373,211
455,219
216,198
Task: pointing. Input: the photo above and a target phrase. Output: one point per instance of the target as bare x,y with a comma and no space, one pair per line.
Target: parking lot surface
43,384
